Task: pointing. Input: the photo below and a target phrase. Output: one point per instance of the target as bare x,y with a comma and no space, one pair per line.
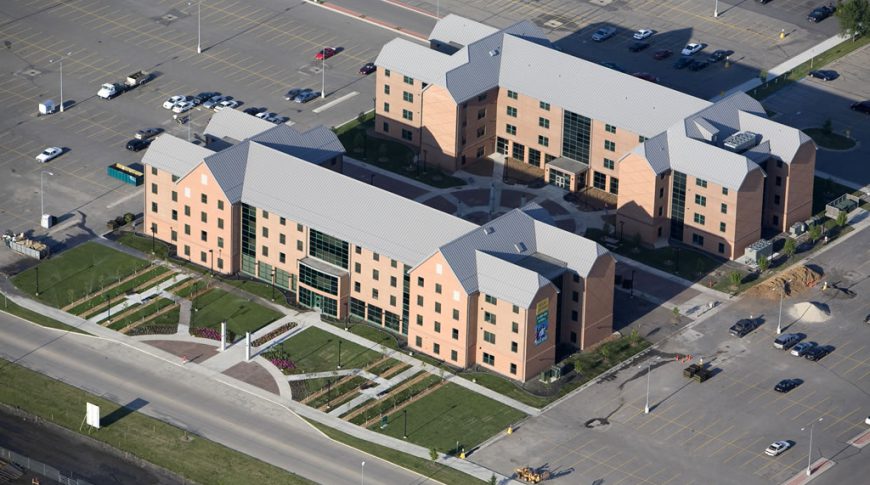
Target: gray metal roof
315,145
459,30
235,125
174,155
568,165
521,240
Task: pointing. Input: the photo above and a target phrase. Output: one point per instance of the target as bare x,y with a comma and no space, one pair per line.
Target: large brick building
272,205
476,91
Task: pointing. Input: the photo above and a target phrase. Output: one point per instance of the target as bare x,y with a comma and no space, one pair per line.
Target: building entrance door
559,179
316,301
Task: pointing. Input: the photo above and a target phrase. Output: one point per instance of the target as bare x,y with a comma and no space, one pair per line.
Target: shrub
789,248
815,233
763,263
281,360
211,333
735,277
841,219
153,330
433,453
128,217
274,333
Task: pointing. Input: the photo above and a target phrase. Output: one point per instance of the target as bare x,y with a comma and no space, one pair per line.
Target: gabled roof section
707,161
454,29
174,155
228,167
316,145
235,125
523,244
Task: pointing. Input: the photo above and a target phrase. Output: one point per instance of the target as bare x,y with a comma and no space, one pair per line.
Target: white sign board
93,415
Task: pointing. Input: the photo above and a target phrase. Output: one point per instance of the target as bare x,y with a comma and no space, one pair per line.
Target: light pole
42,191
781,296
810,453
631,288
152,239
339,354
323,73
405,414
60,62
362,473
211,256
198,25
36,268
648,369
716,9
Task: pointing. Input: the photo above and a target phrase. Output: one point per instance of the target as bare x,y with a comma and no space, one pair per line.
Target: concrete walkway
138,298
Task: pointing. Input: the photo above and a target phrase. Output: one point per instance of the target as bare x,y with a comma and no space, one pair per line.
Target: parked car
205,96
662,54
643,34
867,421
763,1
800,349
270,117
135,145
227,104
786,341
182,107
215,100
306,96
682,62
326,53
603,34
172,101
697,65
825,74
293,93
743,327
147,133
786,385
777,448
692,49
861,107
638,46
253,110
818,352
368,68
718,55
49,154
821,13
646,77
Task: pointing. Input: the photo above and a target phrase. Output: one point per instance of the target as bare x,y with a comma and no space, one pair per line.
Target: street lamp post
323,74
339,354
810,453
211,256
362,473
648,369
716,9
37,280
781,296
60,62
42,191
631,288
152,239
273,284
199,27
109,307
405,414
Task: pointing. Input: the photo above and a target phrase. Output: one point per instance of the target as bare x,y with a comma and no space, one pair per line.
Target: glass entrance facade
678,205
576,136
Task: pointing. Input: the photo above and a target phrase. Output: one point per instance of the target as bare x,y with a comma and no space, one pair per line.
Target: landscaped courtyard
315,350
213,306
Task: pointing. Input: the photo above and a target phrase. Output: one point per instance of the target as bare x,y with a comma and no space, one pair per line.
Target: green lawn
77,272
829,140
144,244
141,279
503,386
389,155
376,335
141,314
189,456
427,468
450,414
314,350
38,318
335,391
258,288
241,315
826,190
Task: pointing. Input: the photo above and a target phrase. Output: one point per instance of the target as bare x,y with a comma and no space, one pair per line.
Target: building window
511,111
515,327
491,299
609,128
203,217
419,300
721,248
489,317
174,215
697,239
299,245
174,196
724,208
661,192
776,199
419,319
701,200
393,300
357,287
418,342
407,96
385,127
641,139
543,141
437,327
187,229
701,182
187,210
436,349
220,223
544,122
220,242
220,263
722,227
220,205
153,170
265,214
512,94
576,136
376,275
421,282
393,281
282,258
513,369
481,131
203,198
265,251
609,164
437,307
407,135
328,248
534,157
153,188
454,356
599,180
374,294
455,314
386,72
202,257
699,218
187,250
609,146
519,151
409,80
614,185
407,115
154,207
488,337
516,309
488,359
481,97
299,227
455,334
386,107
724,190
544,106
265,232
481,113
510,129
575,296
203,236
282,239
514,347
778,181
438,288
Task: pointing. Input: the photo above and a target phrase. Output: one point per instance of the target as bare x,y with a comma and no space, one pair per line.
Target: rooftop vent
740,142
493,53
520,247
488,230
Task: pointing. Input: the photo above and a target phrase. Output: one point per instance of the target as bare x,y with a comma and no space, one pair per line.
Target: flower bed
153,330
281,360
211,333
274,333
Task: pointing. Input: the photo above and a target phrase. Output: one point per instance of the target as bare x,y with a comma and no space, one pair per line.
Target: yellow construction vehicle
529,475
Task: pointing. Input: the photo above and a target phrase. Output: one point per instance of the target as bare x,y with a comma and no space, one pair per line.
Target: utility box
48,107
758,249
797,229
48,221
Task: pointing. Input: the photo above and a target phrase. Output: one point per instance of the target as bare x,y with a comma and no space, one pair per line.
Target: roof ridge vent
488,230
520,247
493,52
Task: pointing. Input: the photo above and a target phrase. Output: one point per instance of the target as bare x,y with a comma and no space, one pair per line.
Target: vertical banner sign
542,320
93,415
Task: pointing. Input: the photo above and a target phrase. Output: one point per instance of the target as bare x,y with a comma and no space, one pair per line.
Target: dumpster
47,107
126,174
691,370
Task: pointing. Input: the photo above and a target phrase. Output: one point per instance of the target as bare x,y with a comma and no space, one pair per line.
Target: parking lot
254,51
716,431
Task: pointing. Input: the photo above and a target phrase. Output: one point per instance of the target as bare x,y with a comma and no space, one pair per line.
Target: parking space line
716,437
741,449
687,411
808,409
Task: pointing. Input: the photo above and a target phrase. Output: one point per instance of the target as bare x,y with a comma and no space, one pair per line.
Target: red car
325,54
662,54
646,77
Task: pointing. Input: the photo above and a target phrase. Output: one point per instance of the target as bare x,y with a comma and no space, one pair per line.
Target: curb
369,20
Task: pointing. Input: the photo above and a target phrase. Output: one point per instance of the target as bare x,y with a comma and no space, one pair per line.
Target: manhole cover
31,72
553,24
601,2
169,17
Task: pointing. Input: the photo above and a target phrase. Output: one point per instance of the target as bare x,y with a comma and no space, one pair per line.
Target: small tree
433,453
854,17
789,248
828,126
492,479
841,219
676,312
735,277
815,233
763,263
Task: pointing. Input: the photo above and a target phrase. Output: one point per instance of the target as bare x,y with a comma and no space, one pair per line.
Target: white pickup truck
110,90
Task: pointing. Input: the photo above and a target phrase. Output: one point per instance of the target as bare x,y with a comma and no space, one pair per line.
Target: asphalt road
202,406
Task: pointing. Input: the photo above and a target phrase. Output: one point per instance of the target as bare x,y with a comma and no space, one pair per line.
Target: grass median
38,318
164,445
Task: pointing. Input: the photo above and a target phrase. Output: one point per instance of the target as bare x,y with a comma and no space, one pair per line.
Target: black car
763,1
135,145
682,62
818,352
820,13
786,385
825,75
698,65
368,68
638,46
205,96
862,107
718,55
743,327
254,111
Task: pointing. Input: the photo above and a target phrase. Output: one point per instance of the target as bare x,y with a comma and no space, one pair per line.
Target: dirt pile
799,279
